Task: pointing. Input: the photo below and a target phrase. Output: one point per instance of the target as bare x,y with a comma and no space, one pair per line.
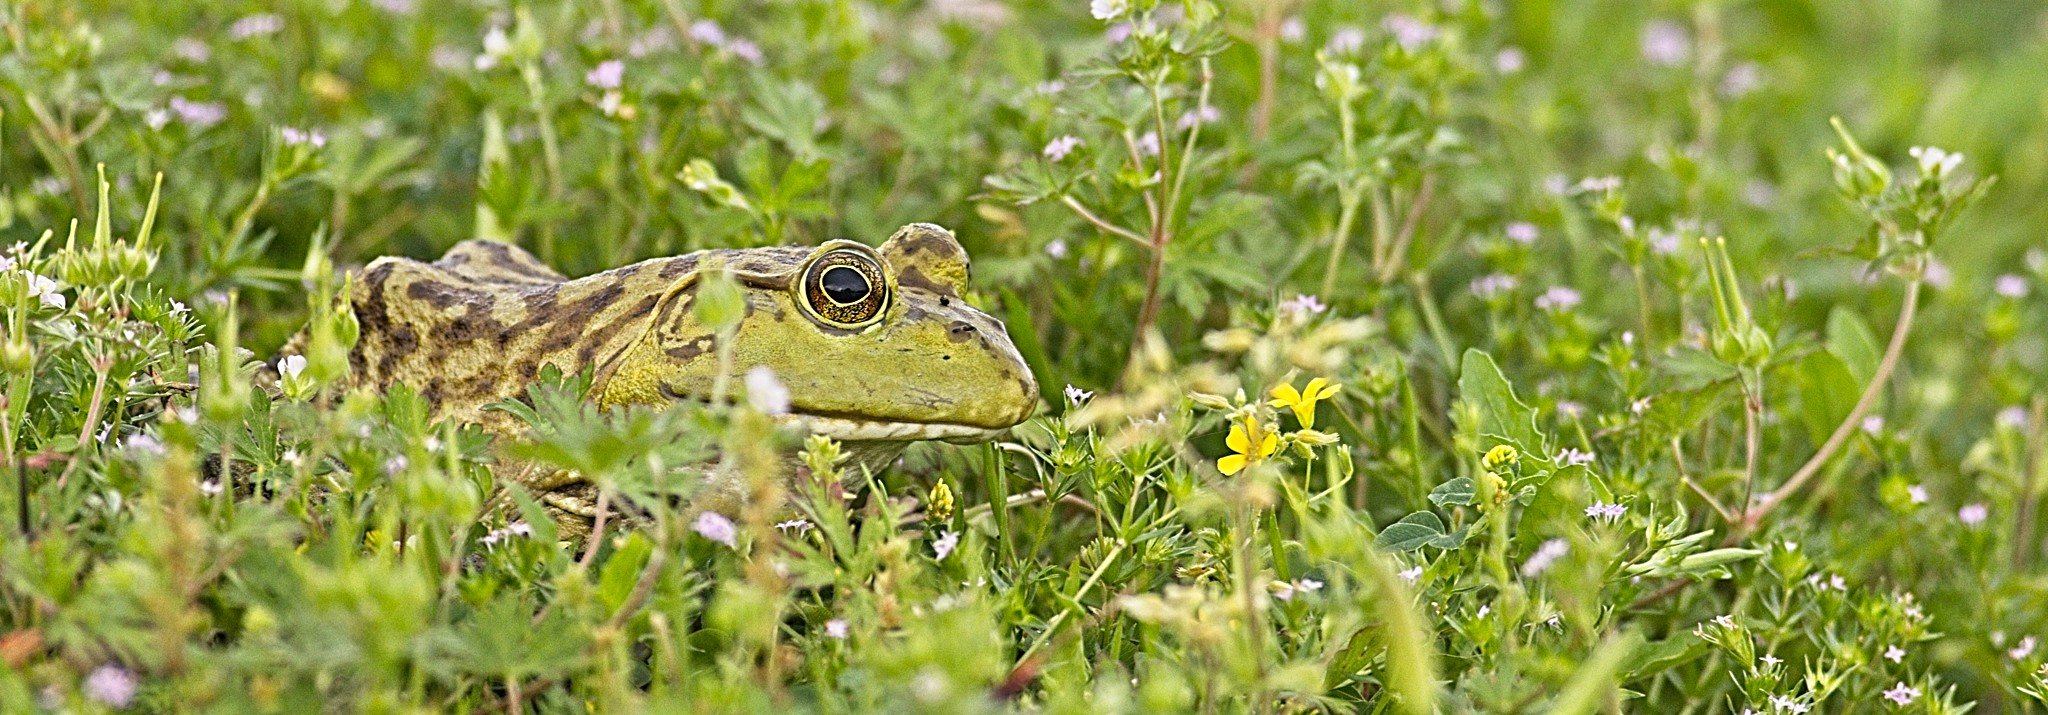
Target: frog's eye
845,288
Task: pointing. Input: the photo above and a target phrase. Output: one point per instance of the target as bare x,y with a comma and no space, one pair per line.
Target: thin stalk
1350,193
2030,478
1411,222
1892,352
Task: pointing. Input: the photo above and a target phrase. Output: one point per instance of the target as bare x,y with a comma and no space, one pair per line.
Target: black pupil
844,285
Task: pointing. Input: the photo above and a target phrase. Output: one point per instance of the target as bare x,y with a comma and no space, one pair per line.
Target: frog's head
873,344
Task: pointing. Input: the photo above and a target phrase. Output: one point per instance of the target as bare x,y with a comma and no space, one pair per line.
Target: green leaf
1827,393
1414,531
622,570
1501,414
1456,492
1851,339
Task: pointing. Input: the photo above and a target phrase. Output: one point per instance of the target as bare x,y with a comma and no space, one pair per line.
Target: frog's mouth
847,429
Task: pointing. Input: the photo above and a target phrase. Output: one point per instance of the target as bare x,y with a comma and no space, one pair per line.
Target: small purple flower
1605,511
111,685
1149,144
1902,694
1973,514
944,545
1410,33
1545,555
1411,574
1206,114
1510,60
714,526
191,50
1303,305
2014,417
707,32
745,50
1572,456
1742,79
1293,29
1558,299
1346,41
520,528
2012,286
607,75
1061,146
198,114
1917,494
1666,43
1117,33
307,137
254,25
1057,248
1894,653
1522,232
1488,287
836,628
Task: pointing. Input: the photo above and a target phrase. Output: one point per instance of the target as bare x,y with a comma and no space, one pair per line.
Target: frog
877,347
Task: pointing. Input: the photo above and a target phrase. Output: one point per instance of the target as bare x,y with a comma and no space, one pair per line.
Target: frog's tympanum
875,345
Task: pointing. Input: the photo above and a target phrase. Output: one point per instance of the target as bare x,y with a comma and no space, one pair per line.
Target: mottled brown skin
476,327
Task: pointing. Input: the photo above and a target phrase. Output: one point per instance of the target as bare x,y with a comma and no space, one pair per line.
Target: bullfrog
876,346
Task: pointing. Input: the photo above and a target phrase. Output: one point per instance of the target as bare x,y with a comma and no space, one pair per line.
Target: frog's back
476,326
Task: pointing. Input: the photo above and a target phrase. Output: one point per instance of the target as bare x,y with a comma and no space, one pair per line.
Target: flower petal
1272,442
1230,464
1284,394
1327,392
1306,413
1237,440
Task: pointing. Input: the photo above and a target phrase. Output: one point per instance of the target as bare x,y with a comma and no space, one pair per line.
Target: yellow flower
1304,402
1241,440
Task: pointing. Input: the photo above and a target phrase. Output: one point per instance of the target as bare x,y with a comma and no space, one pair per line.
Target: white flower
491,539
1411,574
520,528
714,526
396,465
1286,590
1894,653
45,290
1510,60
2022,649
292,365
178,308
211,487
1917,494
156,118
1057,248
191,49
1900,694
765,393
1522,232
1106,10
1302,305
1049,87
944,545
607,75
2012,286
745,50
1787,705
1666,43
1640,406
1663,242
1973,514
1061,146
1873,425
1077,396
1772,660
1558,299
1572,409
836,628
110,685
144,444
1934,161
1545,555
1572,457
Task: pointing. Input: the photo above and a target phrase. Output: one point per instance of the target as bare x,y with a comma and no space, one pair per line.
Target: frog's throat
845,429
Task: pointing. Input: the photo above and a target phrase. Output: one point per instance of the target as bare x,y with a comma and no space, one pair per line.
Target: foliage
1398,357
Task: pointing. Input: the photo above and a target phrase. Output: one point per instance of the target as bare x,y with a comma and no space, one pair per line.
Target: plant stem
1752,516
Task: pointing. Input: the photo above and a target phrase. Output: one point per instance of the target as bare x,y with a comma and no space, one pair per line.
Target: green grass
1675,376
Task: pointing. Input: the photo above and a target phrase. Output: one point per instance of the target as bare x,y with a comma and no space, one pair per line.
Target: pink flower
1061,146
1973,514
111,685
